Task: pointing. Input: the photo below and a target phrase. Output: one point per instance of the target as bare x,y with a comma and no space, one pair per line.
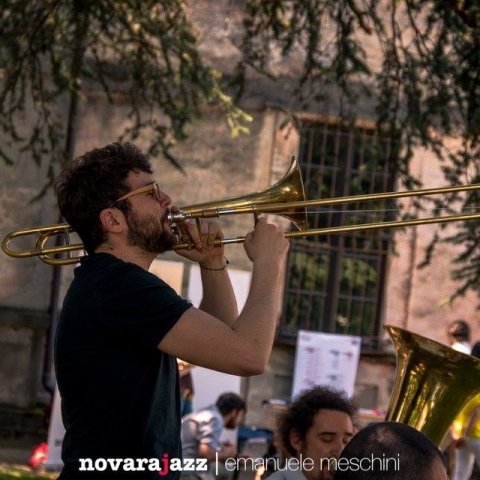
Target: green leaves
413,66
142,54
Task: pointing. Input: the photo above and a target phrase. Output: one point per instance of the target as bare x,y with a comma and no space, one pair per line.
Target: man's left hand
204,250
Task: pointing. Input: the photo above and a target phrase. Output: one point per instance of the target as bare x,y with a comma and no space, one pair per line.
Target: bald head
391,451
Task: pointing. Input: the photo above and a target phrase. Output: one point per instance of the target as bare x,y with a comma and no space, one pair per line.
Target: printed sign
325,359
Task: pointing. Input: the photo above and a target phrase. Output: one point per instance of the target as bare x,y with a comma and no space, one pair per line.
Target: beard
148,233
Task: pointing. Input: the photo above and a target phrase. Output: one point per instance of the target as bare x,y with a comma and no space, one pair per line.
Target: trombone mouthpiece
175,217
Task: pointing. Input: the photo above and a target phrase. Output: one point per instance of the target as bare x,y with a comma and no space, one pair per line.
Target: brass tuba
432,385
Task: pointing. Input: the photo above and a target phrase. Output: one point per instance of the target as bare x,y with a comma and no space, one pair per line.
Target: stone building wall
417,298
216,167
24,287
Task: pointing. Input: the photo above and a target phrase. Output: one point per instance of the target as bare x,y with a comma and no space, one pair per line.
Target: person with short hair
201,431
390,451
314,430
458,333
121,328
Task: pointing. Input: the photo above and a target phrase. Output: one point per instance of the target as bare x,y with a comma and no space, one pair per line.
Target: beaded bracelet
227,263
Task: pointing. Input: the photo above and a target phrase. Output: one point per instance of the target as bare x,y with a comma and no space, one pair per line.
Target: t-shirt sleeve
140,305
209,432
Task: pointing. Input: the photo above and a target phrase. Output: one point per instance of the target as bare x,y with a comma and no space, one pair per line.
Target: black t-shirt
120,394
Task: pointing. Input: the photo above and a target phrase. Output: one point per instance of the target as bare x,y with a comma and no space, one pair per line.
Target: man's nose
337,448
164,199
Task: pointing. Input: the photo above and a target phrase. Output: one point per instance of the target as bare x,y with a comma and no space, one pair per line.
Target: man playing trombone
121,328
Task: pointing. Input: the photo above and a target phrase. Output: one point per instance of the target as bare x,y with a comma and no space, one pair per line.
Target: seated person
458,333
201,431
313,430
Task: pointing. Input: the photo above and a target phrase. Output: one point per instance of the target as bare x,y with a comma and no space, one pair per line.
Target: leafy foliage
142,54
423,82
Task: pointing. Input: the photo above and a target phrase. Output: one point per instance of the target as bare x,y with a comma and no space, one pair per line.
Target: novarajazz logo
162,466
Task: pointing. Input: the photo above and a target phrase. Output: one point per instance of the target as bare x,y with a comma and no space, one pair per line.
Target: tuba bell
432,385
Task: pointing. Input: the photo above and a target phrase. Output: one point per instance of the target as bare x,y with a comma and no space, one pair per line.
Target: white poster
325,359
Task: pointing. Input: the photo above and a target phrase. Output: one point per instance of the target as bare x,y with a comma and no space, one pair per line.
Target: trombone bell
432,385
287,189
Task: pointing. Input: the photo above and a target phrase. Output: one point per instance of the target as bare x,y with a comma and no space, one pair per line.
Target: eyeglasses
151,186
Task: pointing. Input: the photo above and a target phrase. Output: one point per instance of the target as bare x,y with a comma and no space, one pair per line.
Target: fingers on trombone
260,221
204,235
213,235
191,233
210,234
270,230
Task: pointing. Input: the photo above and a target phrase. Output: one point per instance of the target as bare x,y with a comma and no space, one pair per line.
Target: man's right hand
242,346
266,242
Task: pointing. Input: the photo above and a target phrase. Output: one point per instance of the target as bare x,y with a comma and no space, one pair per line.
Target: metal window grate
335,283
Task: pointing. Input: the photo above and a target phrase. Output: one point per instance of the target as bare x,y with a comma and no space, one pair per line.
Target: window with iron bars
336,283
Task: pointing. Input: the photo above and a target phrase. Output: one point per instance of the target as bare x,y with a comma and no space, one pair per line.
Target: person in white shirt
458,333
201,433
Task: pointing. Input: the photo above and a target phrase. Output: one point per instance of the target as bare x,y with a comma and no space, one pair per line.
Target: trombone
286,198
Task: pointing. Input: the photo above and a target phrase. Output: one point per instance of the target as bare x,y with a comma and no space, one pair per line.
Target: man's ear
295,440
112,220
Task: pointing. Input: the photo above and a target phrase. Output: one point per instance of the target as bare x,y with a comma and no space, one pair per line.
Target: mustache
165,217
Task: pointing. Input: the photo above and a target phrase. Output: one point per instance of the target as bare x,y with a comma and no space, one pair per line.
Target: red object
39,455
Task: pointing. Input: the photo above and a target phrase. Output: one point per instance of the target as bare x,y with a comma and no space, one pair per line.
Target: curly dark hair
300,414
90,183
